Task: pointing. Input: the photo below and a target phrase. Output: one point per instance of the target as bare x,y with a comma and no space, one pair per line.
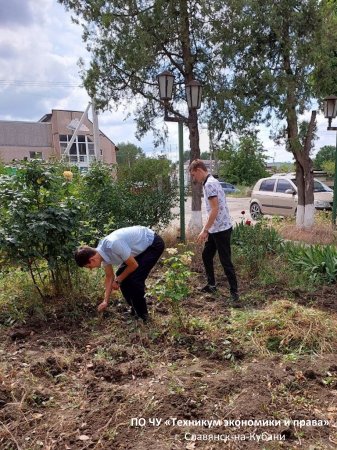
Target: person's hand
102,306
115,286
202,236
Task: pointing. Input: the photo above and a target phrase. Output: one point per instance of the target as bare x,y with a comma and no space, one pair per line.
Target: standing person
136,250
216,233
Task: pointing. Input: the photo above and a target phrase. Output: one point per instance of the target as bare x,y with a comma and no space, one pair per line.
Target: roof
25,134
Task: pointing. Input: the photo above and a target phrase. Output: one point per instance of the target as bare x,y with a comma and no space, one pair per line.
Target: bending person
136,250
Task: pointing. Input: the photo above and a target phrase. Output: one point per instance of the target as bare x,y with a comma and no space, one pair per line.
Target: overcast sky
39,51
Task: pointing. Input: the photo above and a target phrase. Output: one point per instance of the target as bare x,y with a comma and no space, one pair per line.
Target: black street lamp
193,98
330,112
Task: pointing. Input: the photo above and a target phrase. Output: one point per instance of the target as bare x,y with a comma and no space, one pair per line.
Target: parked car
277,195
228,188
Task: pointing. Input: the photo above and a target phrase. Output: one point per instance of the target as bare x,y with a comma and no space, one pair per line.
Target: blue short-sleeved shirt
118,246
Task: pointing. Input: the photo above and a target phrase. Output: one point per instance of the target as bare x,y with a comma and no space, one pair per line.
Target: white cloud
40,44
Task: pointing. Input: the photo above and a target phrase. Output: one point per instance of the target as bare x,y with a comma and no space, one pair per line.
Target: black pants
220,242
133,287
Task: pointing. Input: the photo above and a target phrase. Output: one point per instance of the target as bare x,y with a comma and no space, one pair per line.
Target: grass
321,233
208,369
284,327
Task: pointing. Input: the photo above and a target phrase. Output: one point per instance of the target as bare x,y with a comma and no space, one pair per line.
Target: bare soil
77,379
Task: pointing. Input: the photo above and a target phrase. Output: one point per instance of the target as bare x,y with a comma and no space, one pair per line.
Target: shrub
173,287
40,224
319,262
112,204
254,242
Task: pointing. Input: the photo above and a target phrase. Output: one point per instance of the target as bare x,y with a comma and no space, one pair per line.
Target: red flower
243,212
248,222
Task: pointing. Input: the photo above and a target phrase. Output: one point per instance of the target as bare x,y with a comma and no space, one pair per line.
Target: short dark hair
198,164
83,254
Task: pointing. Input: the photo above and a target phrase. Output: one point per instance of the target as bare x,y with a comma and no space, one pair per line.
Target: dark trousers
133,287
220,242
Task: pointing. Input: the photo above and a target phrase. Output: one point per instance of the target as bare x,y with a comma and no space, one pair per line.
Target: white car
277,195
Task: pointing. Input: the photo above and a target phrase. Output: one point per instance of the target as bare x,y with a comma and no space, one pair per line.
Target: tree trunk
304,176
305,181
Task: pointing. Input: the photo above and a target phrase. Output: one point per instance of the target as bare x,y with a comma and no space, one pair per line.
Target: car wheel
255,211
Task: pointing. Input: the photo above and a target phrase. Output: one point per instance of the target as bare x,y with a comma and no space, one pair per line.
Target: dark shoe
235,300
145,318
209,289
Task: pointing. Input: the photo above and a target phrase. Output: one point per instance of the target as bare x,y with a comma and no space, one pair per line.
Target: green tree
326,153
329,167
128,153
205,155
278,46
187,155
243,163
131,42
286,168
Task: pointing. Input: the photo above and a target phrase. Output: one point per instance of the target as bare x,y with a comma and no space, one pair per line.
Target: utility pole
97,148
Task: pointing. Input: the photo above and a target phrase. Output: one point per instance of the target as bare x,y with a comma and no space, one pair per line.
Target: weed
173,287
286,328
318,262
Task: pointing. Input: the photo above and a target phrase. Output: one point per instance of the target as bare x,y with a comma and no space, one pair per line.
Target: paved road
235,205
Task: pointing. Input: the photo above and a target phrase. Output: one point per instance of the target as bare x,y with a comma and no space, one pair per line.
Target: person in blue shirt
135,250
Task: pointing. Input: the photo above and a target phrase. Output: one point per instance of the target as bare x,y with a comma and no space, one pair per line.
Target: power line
38,83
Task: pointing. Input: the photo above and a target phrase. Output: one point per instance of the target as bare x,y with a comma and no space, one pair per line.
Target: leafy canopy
243,163
128,153
326,153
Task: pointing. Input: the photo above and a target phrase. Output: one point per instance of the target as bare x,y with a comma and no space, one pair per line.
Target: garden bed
78,380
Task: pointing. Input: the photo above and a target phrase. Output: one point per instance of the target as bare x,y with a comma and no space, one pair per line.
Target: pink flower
248,222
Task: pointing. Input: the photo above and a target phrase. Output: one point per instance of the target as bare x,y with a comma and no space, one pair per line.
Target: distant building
48,138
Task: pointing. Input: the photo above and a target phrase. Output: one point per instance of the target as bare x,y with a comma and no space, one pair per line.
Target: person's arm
109,281
131,266
214,204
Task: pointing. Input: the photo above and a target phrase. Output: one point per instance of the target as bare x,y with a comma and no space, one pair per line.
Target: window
35,155
82,149
321,187
283,185
267,185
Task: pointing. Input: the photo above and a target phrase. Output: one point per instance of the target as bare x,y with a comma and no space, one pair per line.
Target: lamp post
330,111
193,98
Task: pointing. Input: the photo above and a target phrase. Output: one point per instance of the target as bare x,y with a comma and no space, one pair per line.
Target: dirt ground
82,381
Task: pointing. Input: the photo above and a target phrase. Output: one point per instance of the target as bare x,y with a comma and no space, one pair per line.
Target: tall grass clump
286,328
318,262
254,242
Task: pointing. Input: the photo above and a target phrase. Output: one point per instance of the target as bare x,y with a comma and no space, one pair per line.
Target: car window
267,185
283,185
321,187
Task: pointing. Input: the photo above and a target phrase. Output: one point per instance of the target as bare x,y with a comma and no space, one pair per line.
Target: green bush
135,199
44,215
254,242
319,262
40,224
173,286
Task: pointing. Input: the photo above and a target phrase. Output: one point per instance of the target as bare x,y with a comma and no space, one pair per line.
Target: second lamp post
330,112
193,98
